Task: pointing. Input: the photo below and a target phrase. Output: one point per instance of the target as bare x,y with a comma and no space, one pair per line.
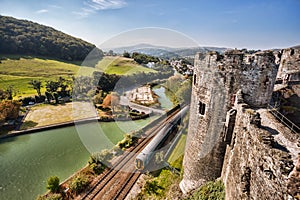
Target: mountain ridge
164,51
18,36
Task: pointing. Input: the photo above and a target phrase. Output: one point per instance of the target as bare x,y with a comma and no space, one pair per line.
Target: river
27,161
164,101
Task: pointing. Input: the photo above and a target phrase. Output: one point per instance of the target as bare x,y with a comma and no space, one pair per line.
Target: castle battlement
216,82
253,74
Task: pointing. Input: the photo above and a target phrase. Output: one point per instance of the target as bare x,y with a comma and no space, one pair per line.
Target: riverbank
41,118
87,172
28,160
67,124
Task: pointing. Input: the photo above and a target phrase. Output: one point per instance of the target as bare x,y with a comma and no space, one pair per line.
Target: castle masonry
219,83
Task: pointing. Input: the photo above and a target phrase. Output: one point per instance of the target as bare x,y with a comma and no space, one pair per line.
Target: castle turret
217,78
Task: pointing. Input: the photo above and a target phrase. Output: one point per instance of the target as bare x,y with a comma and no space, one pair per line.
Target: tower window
195,79
201,108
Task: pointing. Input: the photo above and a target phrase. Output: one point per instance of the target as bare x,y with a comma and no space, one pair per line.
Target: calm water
27,161
163,99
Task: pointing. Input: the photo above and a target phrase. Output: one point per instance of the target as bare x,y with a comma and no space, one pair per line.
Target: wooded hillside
29,38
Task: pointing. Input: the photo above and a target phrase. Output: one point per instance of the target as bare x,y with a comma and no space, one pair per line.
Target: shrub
53,183
50,197
152,187
210,191
116,151
101,157
127,142
79,183
97,168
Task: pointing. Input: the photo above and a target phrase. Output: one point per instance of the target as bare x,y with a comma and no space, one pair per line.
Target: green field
120,65
18,72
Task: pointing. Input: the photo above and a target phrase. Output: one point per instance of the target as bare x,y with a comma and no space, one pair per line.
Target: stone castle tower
216,82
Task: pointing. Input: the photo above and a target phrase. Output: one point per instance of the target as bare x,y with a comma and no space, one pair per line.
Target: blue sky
256,24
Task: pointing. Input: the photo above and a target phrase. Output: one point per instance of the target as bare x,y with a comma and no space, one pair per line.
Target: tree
9,109
3,94
56,89
22,36
52,86
37,85
10,90
126,54
53,183
79,183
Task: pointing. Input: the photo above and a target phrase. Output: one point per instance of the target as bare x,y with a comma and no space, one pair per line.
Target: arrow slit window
201,108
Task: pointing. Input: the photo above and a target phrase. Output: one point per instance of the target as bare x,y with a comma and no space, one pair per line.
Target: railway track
117,181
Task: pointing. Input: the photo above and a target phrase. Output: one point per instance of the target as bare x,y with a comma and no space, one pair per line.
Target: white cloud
42,11
91,6
106,4
84,12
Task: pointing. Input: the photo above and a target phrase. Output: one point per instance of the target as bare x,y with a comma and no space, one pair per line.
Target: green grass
164,186
178,150
120,65
19,71
213,190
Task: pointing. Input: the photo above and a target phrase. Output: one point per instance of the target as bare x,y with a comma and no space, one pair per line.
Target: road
124,101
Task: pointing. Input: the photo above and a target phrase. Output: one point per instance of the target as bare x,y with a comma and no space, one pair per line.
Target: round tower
217,78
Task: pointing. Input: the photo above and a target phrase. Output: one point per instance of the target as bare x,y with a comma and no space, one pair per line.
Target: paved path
145,109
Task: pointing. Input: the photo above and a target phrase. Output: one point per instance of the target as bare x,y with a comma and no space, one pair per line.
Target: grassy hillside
26,37
120,65
18,72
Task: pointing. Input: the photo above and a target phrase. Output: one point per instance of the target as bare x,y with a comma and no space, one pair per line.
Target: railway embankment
151,126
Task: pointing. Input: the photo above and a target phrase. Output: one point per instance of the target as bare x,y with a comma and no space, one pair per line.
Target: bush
79,183
152,187
104,156
53,183
116,151
127,142
50,197
97,168
213,190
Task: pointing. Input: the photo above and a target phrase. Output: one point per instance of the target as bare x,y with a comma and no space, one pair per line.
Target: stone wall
217,79
289,63
255,165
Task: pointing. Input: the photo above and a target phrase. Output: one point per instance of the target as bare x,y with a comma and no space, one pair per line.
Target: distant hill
29,38
166,52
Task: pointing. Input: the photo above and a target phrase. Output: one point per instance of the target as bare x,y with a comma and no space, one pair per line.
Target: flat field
121,66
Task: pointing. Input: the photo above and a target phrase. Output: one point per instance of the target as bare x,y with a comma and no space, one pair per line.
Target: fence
283,119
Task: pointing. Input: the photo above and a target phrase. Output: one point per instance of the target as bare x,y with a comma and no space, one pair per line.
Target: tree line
29,38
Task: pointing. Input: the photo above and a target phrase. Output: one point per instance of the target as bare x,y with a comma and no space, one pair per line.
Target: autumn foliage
9,109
